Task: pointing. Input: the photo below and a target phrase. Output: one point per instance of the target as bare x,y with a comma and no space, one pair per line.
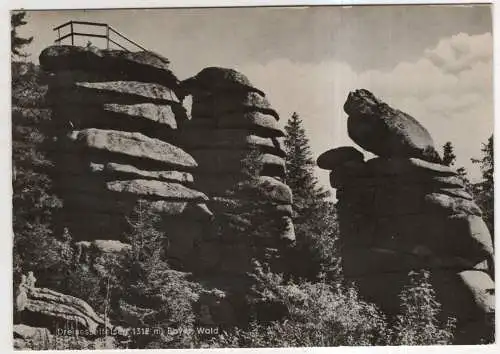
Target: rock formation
232,129
115,114
385,131
400,212
52,320
51,309
123,135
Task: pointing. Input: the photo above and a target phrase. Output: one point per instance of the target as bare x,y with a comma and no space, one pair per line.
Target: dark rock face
404,212
113,64
216,79
135,145
335,157
385,131
231,120
124,137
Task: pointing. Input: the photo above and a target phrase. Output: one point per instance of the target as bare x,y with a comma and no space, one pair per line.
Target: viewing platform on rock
107,36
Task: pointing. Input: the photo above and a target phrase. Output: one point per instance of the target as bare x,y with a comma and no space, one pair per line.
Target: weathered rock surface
87,251
32,338
218,105
119,92
151,188
142,66
386,131
225,204
339,156
78,117
447,204
264,125
229,139
216,79
403,212
132,144
119,170
38,304
162,114
410,166
231,161
120,204
233,123
123,138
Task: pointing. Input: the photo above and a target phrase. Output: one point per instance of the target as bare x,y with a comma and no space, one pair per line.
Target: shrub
418,323
318,314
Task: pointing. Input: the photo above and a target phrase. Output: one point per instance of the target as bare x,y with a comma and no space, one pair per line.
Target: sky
433,62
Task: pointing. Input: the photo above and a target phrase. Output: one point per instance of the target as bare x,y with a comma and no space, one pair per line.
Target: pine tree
449,159
485,188
17,43
36,245
448,156
315,217
300,169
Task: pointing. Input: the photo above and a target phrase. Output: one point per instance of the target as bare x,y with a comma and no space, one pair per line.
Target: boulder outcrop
385,131
117,114
111,65
49,308
123,138
234,137
403,212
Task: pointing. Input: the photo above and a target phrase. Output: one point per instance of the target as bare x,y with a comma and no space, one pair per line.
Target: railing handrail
129,40
109,29
100,24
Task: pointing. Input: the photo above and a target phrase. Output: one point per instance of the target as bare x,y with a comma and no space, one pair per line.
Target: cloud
448,89
459,52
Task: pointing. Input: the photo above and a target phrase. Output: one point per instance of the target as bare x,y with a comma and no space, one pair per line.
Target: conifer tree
449,156
300,170
449,159
36,245
485,188
16,42
315,217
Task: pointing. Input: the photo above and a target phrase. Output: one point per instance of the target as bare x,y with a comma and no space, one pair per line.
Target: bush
318,314
418,323
151,294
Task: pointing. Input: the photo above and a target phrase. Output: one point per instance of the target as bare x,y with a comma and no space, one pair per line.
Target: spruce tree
449,159
16,42
315,217
36,247
448,155
485,188
300,170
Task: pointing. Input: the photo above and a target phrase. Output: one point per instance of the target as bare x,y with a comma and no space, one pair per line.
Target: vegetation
484,190
17,43
449,156
315,220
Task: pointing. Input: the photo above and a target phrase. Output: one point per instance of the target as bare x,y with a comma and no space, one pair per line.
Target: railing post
59,36
107,36
72,36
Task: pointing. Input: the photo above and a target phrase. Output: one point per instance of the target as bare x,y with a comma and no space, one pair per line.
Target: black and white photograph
252,177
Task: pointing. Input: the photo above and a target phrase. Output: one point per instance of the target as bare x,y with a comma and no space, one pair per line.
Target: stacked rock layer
233,129
123,136
401,212
116,114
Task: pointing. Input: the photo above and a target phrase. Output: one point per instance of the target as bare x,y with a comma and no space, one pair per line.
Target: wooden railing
109,34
